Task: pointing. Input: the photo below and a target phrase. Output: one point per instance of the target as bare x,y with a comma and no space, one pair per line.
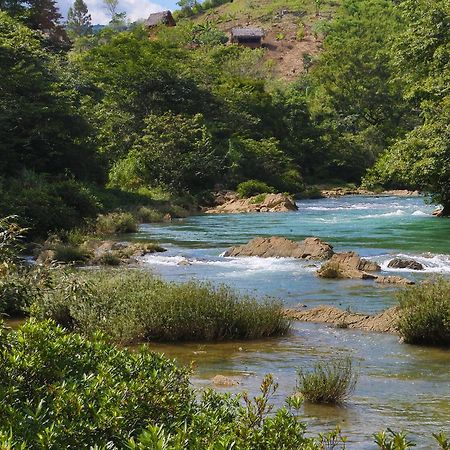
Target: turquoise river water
400,386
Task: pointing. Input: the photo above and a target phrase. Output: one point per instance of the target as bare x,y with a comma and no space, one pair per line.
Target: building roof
247,32
158,18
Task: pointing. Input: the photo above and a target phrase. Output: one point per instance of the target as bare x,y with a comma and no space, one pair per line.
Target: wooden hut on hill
160,18
250,37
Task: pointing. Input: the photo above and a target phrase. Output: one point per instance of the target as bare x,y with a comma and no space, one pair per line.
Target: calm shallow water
400,386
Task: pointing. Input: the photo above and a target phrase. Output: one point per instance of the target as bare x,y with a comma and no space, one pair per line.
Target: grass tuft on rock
425,313
330,382
134,305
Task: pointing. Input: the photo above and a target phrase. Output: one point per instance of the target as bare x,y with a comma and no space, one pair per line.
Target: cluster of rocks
347,265
229,203
96,252
351,266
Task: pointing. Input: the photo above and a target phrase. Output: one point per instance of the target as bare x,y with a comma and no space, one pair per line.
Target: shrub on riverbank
425,313
251,188
59,390
328,382
115,223
135,305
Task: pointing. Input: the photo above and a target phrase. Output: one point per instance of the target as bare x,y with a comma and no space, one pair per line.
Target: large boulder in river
280,247
400,263
258,203
348,265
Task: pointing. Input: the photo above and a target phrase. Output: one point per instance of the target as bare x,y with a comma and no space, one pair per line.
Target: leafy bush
115,223
45,206
330,381
11,235
135,305
59,390
149,215
251,188
18,290
425,313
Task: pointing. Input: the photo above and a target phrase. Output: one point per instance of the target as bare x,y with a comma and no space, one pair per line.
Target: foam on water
244,265
398,212
431,263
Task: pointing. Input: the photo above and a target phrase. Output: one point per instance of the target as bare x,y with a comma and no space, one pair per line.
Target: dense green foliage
425,313
421,59
133,305
59,390
330,381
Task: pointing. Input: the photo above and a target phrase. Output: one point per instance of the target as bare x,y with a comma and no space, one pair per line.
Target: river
400,386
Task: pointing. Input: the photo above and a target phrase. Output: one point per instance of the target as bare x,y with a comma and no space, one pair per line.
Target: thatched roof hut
160,18
250,37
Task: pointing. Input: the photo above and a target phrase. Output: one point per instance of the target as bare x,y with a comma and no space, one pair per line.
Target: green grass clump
149,215
425,313
330,381
330,270
251,188
116,223
70,254
134,305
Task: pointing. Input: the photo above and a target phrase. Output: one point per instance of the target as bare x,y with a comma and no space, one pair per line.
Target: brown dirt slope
293,38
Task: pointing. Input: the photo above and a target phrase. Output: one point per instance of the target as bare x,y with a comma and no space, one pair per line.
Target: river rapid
400,386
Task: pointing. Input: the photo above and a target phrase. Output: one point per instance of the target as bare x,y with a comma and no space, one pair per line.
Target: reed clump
331,381
134,305
425,313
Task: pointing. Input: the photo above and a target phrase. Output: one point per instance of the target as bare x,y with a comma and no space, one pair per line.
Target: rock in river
280,247
259,203
400,263
351,265
348,265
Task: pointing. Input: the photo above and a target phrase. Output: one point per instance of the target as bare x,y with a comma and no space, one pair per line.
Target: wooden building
160,18
250,37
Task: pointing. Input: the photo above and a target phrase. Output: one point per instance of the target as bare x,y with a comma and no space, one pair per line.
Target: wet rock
394,280
184,262
438,212
348,265
400,263
220,380
383,322
280,247
258,203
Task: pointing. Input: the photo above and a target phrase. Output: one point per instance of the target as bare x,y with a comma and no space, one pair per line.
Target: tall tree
79,22
39,15
117,18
